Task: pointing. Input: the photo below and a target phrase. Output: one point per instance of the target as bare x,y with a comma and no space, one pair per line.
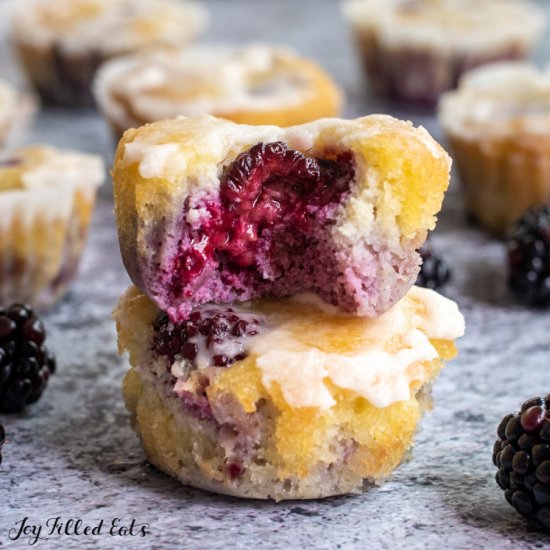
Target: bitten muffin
498,125
253,84
46,202
212,211
415,49
282,399
16,111
61,43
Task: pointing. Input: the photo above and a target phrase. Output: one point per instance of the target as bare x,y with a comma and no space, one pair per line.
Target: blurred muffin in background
16,111
61,43
498,126
46,202
415,49
250,84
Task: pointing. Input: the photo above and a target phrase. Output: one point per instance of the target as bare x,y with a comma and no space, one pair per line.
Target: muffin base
40,272
222,429
502,176
60,78
185,454
421,75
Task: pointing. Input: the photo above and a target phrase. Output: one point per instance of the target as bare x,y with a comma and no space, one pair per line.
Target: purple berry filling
211,336
234,470
197,405
266,233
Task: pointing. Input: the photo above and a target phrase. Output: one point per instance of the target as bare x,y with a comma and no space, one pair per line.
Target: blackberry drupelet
434,271
25,362
218,332
522,456
529,257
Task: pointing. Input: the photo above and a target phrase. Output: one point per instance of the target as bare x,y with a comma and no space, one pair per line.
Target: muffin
498,125
212,211
16,111
46,202
69,39
415,49
282,398
252,84
278,347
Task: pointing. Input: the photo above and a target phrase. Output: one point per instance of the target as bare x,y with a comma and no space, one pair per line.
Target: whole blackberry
25,362
522,456
434,271
529,257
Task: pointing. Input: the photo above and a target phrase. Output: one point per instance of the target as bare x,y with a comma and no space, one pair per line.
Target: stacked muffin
277,347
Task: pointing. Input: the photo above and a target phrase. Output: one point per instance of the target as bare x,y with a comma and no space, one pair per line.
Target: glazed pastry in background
212,211
16,111
61,43
254,84
498,125
416,49
46,202
283,399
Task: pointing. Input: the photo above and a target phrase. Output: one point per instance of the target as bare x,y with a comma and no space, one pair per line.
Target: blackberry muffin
251,84
416,49
212,211
46,202
282,398
278,348
497,124
16,111
71,38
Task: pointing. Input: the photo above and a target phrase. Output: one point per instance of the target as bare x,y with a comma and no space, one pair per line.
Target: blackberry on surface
529,257
25,362
522,456
434,271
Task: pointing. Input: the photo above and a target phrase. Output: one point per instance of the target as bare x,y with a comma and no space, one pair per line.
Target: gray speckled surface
74,455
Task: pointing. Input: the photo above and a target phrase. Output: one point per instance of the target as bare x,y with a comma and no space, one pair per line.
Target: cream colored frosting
380,376
207,79
108,26
448,25
219,140
381,369
504,99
